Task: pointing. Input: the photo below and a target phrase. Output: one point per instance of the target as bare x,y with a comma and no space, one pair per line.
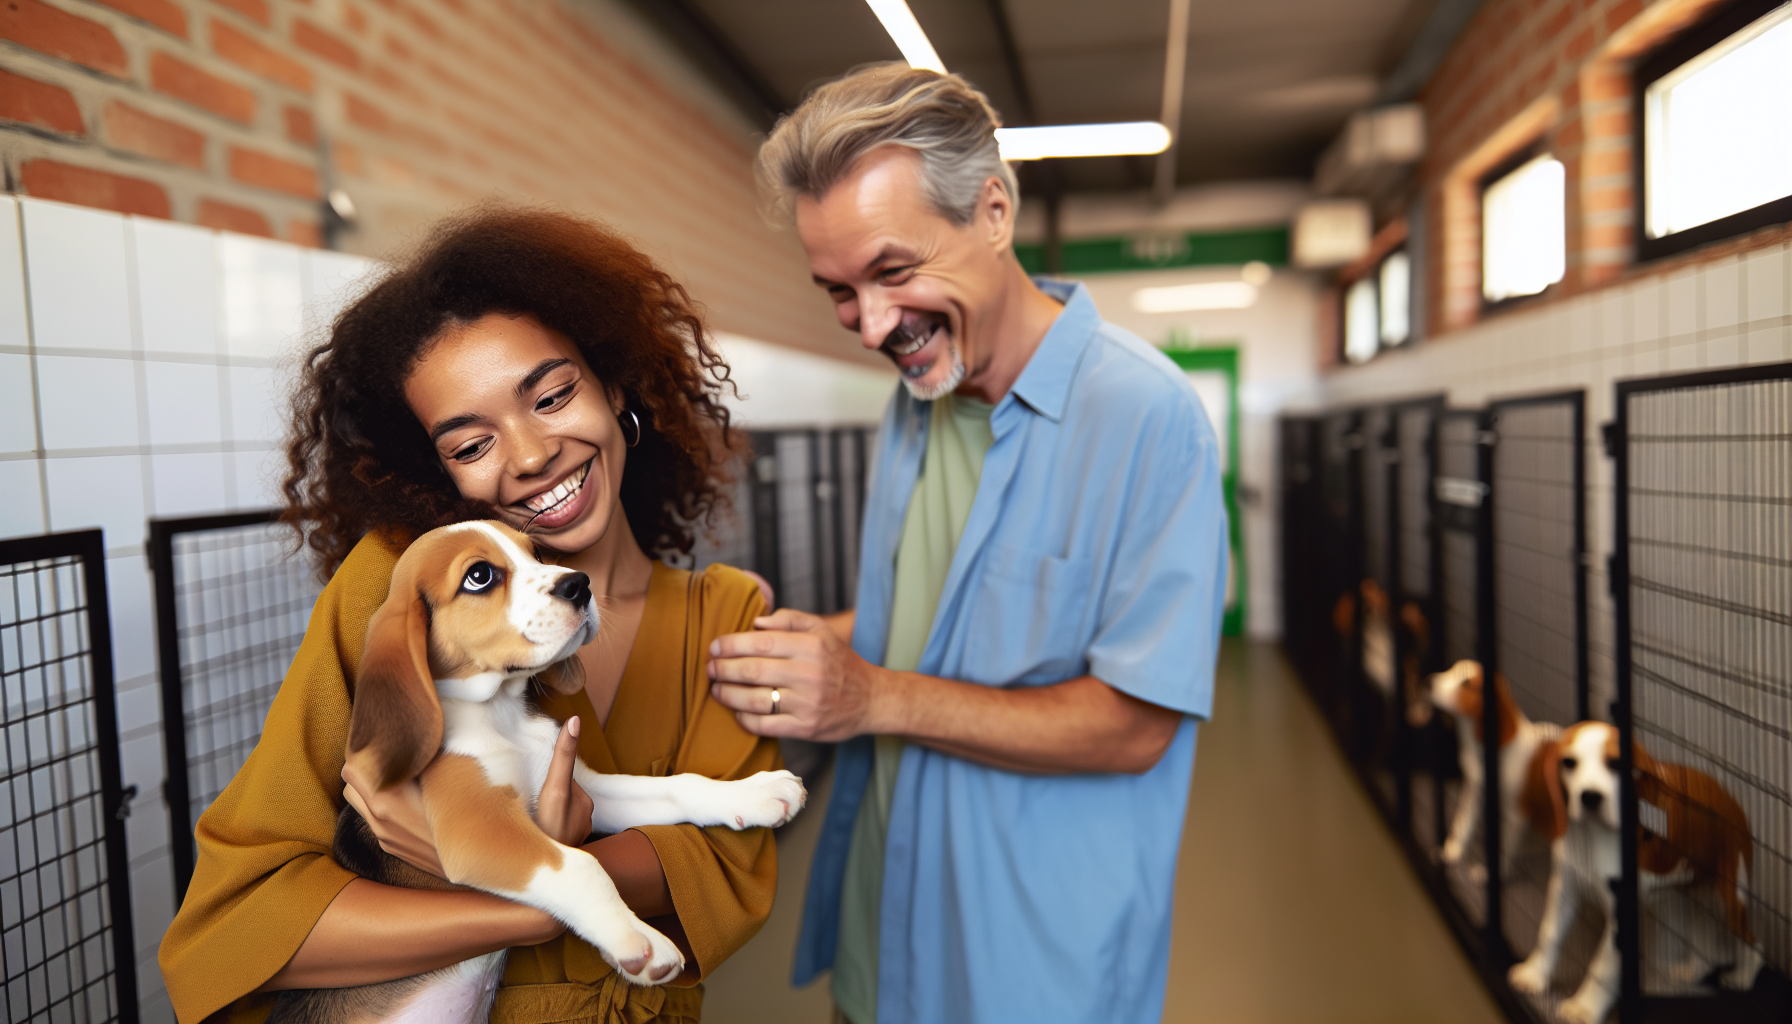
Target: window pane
1396,299
1362,325
1523,231
1717,142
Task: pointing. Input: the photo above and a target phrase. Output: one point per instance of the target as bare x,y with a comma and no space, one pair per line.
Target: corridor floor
1293,904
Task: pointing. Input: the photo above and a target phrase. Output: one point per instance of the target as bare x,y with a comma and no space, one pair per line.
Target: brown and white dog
442,695
1460,691
1694,835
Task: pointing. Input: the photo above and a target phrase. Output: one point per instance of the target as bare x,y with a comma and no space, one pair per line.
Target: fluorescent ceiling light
1123,138
1184,298
906,33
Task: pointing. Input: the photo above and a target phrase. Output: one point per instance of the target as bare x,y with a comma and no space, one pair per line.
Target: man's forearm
1081,725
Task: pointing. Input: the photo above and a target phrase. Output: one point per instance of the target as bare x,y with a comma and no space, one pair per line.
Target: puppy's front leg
1599,991
487,840
767,799
1468,813
1533,975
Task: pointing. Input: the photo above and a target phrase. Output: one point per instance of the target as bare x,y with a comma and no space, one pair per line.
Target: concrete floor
1293,903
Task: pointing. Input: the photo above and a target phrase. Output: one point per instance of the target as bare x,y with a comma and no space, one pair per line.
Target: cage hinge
125,796
1608,433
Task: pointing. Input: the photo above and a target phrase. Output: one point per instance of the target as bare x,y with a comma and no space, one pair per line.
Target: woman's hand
397,819
564,808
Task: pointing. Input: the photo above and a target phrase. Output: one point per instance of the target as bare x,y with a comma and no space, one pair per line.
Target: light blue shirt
1096,546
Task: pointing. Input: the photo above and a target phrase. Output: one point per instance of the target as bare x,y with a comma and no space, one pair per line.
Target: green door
1214,373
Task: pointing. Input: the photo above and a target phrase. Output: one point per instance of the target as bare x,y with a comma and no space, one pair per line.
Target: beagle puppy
472,620
1460,691
1693,835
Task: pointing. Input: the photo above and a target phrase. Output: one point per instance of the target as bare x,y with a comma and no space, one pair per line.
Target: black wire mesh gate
1702,586
65,909
231,609
798,508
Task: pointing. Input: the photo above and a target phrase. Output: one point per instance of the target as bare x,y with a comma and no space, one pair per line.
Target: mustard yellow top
265,873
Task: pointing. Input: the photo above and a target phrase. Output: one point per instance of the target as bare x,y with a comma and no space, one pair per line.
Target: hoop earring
631,427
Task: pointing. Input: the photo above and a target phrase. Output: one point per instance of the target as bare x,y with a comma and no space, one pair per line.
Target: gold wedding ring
776,697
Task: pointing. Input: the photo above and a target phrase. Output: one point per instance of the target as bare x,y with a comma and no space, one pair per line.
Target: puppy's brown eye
1570,763
480,576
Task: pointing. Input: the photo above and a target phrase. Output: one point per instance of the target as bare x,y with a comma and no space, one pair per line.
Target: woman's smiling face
518,420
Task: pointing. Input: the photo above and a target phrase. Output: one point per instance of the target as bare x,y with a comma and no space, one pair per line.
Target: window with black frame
1524,227
1714,150
1378,308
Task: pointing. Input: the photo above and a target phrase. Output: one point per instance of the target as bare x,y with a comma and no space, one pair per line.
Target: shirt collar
1044,384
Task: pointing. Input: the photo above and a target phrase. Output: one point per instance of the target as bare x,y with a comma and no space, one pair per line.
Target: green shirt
958,436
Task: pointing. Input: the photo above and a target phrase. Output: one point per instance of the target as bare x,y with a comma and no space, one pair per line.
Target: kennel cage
1338,571
66,943
1537,502
1303,611
1409,448
231,605
797,507
1702,588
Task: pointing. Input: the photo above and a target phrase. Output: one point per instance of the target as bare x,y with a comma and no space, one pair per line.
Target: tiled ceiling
1270,82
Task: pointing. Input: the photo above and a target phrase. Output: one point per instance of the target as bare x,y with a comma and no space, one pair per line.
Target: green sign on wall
1162,252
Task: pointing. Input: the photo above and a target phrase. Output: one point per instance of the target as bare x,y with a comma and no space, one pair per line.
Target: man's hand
564,809
826,692
396,817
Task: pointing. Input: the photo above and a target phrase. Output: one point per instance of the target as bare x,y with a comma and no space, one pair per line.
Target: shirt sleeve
722,881
264,873
1157,632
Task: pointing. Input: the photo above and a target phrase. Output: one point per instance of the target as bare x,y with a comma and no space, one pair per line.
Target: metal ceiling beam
1017,75
1428,50
716,55
1175,82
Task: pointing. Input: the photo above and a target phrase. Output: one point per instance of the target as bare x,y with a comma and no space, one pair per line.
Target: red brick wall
1551,70
239,113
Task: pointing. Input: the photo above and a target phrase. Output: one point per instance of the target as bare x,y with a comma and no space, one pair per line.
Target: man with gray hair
1041,581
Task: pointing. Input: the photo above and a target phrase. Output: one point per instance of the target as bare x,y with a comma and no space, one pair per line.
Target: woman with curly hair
534,368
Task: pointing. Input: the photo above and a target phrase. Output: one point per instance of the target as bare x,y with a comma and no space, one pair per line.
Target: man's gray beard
945,387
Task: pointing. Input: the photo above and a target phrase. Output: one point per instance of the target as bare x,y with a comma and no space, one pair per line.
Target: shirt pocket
1028,617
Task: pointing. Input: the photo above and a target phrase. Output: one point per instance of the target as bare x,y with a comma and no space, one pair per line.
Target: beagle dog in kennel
471,622
1694,836
1461,691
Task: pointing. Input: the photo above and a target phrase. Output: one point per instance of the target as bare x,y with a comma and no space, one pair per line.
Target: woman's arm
373,933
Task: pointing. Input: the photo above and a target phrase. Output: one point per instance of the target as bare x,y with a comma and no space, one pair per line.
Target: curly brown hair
359,460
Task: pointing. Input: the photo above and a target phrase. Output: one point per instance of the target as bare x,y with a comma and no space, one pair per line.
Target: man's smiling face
912,284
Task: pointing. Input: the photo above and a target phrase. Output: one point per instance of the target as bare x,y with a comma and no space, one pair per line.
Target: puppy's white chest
1592,854
512,744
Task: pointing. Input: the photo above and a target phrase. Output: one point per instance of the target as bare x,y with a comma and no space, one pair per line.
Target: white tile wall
1728,312
155,351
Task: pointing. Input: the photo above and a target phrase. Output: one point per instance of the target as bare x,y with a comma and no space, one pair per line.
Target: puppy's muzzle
1592,801
574,587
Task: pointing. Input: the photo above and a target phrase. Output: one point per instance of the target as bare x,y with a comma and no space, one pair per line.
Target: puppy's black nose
574,587
1592,801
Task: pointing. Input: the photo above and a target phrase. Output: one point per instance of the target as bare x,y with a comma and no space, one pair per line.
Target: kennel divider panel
1300,546
231,610
1464,630
1702,589
1412,552
1540,550
1340,564
66,941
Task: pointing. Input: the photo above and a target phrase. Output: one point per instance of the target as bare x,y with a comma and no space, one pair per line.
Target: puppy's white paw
659,962
768,799
1741,978
1585,1008
1452,851
1528,977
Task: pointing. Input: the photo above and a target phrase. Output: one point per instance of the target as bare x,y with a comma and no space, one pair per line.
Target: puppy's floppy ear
395,722
1542,800
564,676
